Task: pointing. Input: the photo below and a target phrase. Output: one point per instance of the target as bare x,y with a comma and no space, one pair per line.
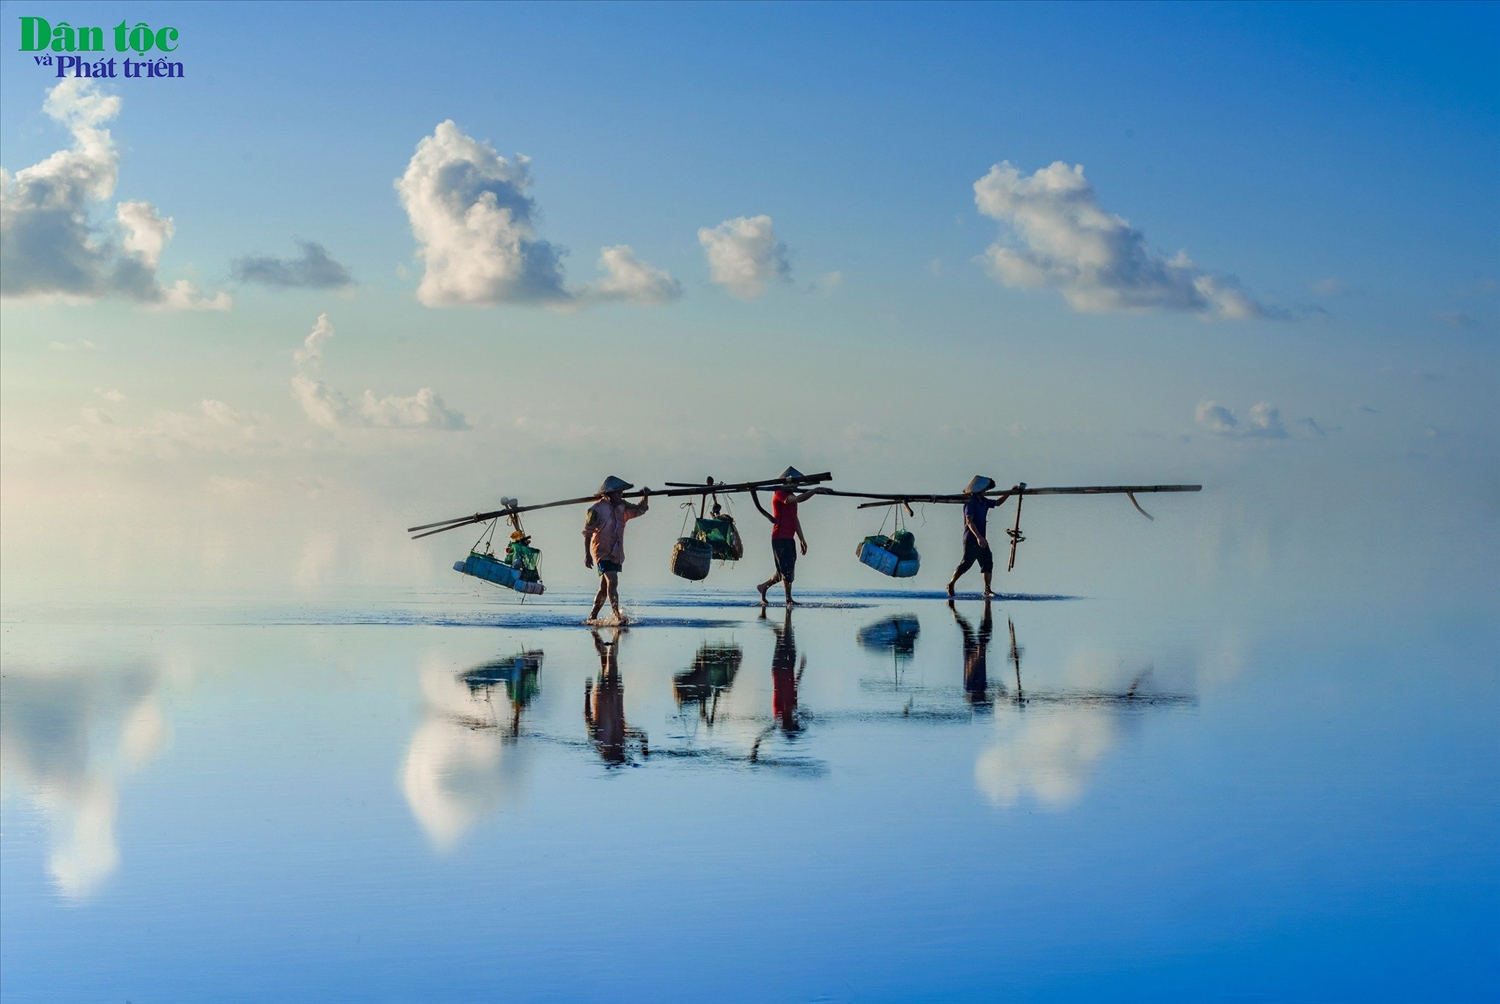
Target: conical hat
614,484
791,474
979,484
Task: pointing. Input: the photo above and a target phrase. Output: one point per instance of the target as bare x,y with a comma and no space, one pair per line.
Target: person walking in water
786,531
604,539
976,544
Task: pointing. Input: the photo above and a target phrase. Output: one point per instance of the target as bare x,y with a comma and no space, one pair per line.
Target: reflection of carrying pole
1015,535
1015,657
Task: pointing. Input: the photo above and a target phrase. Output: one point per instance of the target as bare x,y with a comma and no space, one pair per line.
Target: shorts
785,553
975,551
608,566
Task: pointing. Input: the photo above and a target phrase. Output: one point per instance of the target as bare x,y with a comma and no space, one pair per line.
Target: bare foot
990,594
950,589
762,591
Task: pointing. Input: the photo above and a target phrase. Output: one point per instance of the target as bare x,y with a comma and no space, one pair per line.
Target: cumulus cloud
475,225
745,256
49,246
314,270
333,410
1064,240
631,280
1262,422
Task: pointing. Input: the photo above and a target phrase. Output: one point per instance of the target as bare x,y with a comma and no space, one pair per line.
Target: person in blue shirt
976,544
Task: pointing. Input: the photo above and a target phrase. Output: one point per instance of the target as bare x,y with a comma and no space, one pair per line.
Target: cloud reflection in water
460,766
66,737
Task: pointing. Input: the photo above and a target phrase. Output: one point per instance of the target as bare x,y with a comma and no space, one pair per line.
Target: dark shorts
608,566
974,551
785,553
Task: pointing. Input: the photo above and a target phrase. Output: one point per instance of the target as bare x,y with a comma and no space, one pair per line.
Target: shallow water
877,798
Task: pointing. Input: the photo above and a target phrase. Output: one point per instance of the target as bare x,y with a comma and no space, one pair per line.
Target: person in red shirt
786,531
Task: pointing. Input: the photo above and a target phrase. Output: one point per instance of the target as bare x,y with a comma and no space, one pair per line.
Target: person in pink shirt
786,531
604,539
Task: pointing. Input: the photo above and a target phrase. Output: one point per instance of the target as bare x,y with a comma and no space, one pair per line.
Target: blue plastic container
886,563
492,569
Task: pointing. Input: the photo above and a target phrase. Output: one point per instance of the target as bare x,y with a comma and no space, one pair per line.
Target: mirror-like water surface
873,797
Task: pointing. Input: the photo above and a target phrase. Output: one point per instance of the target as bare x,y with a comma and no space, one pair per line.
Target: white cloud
311,353
1262,422
1331,286
629,279
474,222
218,411
1216,418
147,232
1265,421
49,247
745,256
333,410
1064,240
183,295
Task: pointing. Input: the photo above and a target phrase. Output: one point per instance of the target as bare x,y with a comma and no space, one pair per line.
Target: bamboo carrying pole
959,499
679,489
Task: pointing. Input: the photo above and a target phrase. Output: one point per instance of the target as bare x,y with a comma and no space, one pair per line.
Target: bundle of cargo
719,533
517,571
520,569
895,555
713,536
691,558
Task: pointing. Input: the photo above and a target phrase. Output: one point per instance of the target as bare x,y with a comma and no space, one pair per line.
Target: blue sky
1336,165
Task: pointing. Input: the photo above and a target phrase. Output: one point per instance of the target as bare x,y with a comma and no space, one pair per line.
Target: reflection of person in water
784,673
520,675
976,655
604,704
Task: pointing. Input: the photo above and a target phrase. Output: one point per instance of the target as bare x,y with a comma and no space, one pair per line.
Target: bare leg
612,583
988,592
963,566
599,597
788,584
767,585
